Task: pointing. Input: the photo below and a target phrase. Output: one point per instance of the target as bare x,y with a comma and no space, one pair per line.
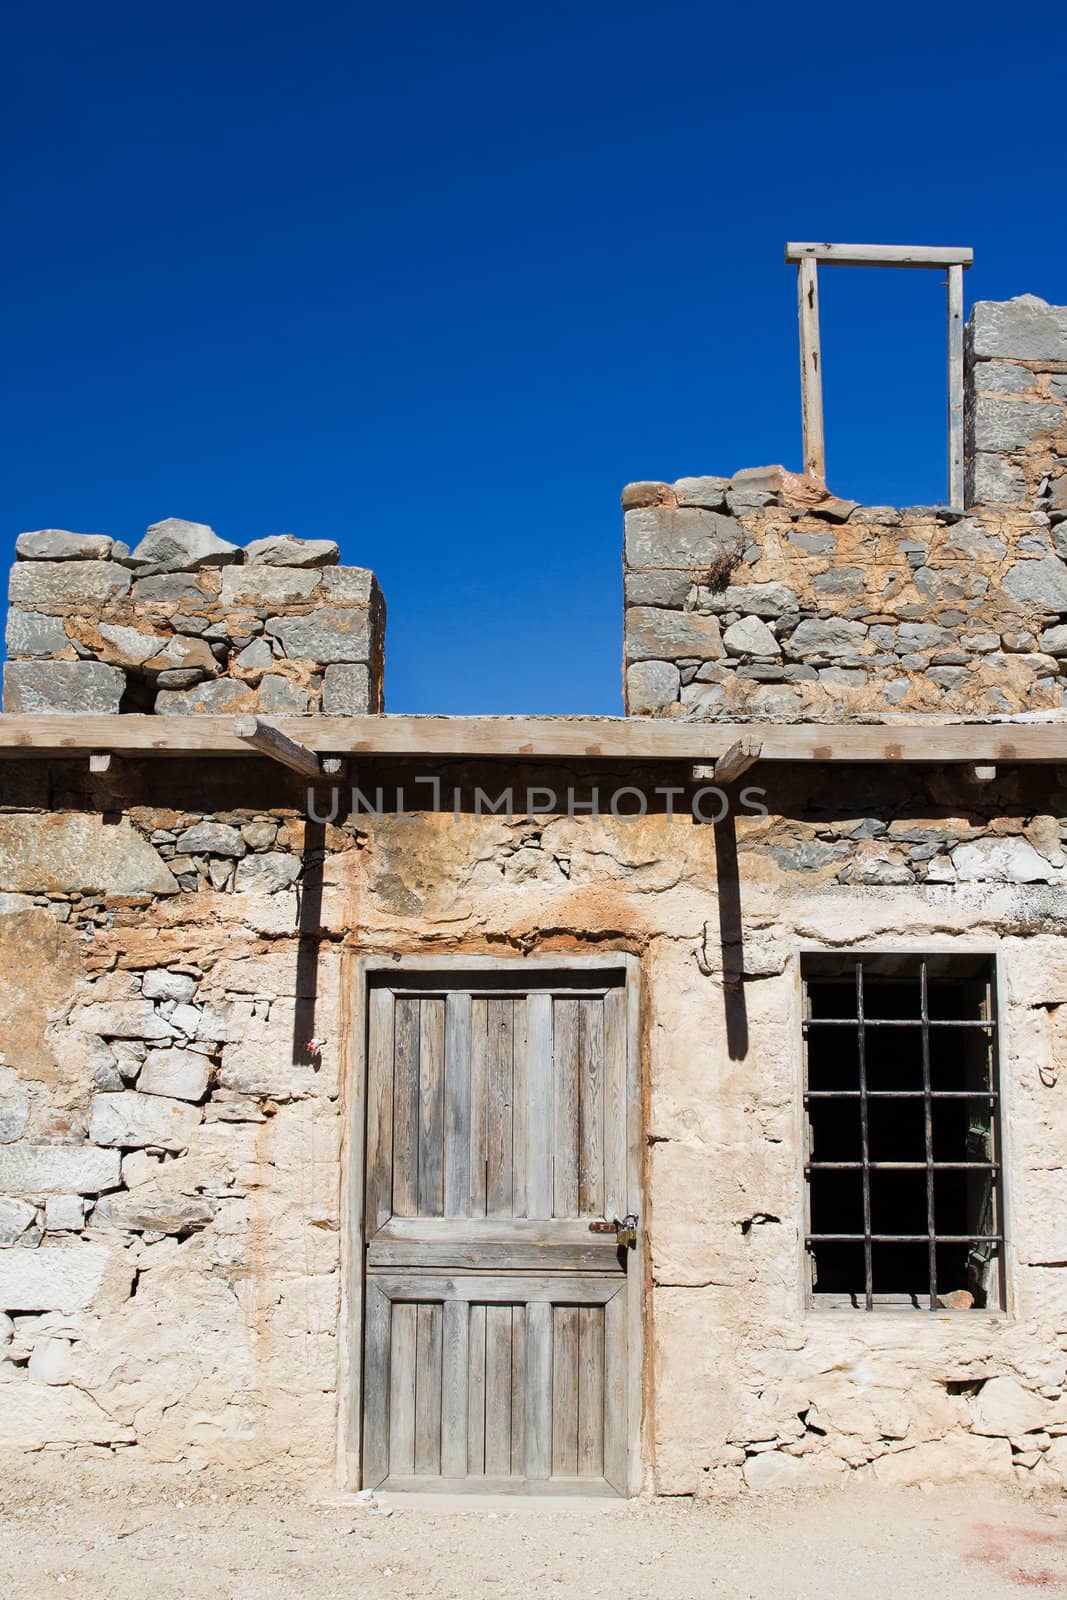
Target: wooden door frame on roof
356,972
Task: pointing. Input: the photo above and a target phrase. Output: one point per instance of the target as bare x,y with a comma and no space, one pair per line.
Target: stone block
754,599
220,697
31,633
60,1277
211,839
63,851
284,550
653,633
350,586
707,493
132,1120
174,545
58,686
750,637
267,873
58,588
646,492
1003,1408
346,690
255,657
689,537
264,588
1054,640
159,984
995,480
123,1019
651,687
51,1361
1000,861
130,647
42,1169
329,634
171,588
180,653
1042,583
15,1217
56,544
662,588
280,694
1001,377
1011,425
65,1213
1024,329
34,1415
14,1106
148,1209
182,1074
831,637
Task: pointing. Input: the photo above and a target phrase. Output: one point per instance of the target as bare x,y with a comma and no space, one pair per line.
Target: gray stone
267,873
708,493
1011,860
845,678
159,984
61,851
1001,377
174,545
123,1019
922,636
267,587
64,1213
350,586
31,633
346,690
58,588
133,1120
969,541
255,656
814,544
995,480
750,637
808,855
651,686
15,1217
59,1277
663,588
663,536
180,677
825,638
840,580
182,1074
14,1106
1024,329
1054,640
331,633
57,1169
56,544
166,587
56,686
216,698
1042,583
211,839
278,693
754,599
147,1210
259,835
1009,425
284,550
132,647
654,634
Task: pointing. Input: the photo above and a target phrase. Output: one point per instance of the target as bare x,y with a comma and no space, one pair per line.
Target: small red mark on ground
999,1548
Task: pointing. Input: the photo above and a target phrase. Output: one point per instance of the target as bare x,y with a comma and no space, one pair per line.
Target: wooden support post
100,761
264,736
811,369
733,762
955,388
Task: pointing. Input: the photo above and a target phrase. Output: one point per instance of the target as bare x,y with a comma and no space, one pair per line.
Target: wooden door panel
495,1321
489,1382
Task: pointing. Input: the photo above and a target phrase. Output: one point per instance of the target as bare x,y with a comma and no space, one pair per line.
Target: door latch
624,1229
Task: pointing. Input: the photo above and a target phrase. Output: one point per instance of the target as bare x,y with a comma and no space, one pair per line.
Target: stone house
666,1103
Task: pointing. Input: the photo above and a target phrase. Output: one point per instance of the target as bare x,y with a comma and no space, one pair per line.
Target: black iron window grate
901,1100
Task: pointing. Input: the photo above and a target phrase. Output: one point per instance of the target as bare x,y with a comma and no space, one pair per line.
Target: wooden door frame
356,972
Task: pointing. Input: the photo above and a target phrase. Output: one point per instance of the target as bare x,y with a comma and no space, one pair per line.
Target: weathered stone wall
188,623
753,598
764,596
171,1146
1015,404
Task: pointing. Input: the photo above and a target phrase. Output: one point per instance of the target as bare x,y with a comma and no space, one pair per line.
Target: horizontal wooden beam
881,255
541,738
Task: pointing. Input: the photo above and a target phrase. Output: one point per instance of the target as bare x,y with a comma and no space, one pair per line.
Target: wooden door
497,1326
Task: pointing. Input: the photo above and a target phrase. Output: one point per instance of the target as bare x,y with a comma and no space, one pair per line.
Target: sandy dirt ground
107,1533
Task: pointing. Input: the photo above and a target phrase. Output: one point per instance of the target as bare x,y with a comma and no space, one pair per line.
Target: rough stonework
188,623
1016,404
182,1098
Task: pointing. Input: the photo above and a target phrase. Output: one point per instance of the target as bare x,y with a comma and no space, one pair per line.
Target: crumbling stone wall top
1015,404
187,622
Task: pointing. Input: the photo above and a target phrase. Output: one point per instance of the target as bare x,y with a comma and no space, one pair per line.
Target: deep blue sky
437,280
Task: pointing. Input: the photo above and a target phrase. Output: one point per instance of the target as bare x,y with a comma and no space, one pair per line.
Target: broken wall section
188,623
1015,405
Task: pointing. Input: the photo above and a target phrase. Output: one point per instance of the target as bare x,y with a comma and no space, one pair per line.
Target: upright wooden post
811,368
955,387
